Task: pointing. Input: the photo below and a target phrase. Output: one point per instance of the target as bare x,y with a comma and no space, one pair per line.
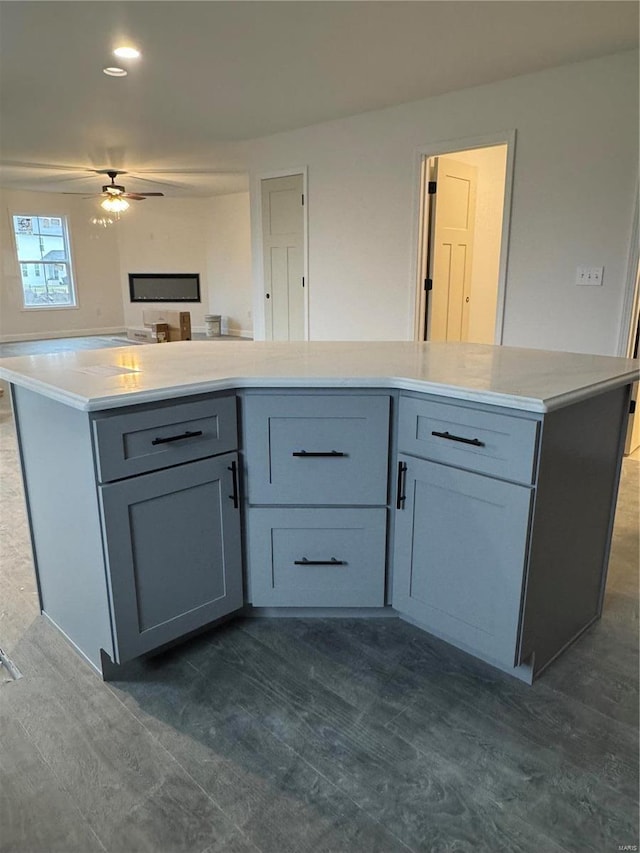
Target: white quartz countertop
527,379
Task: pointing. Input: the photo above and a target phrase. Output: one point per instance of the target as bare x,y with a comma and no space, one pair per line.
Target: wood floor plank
330,657
36,815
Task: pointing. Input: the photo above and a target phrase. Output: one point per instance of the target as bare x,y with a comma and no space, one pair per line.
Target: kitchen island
468,489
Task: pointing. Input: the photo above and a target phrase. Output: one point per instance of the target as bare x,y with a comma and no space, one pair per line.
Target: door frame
446,147
260,289
631,303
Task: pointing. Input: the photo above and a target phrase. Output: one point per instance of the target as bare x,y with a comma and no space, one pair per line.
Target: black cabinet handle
234,474
177,437
316,453
475,441
401,497
331,562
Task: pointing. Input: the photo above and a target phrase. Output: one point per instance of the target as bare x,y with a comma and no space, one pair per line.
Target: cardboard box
179,322
156,333
160,332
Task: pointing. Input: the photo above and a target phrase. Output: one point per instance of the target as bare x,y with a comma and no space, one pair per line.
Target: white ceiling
215,73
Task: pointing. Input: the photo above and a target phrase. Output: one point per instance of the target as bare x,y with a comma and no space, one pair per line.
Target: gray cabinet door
460,551
172,543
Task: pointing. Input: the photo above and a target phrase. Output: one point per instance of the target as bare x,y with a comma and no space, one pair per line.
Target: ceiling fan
115,195
114,190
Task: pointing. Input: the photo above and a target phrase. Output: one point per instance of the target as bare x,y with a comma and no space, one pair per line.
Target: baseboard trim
236,333
67,333
385,612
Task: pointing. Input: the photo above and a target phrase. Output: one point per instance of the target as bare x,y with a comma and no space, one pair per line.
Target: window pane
28,247
35,239
46,284
58,284
53,249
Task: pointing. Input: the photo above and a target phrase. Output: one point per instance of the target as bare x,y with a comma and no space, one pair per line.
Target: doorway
463,226
632,441
283,245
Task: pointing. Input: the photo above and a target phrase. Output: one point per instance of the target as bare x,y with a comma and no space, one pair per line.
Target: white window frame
37,263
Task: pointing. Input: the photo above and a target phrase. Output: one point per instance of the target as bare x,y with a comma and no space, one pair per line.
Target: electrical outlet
589,275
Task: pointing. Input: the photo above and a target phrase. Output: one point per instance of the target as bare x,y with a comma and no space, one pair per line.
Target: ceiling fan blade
139,196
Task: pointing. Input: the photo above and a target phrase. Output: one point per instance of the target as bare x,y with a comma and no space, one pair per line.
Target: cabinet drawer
139,441
317,557
317,450
488,442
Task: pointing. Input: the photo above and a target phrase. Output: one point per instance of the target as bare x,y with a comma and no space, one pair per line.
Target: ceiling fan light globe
114,205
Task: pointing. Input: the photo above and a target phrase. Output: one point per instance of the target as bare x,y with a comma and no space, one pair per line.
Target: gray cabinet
503,524
460,555
170,518
317,485
501,518
135,519
172,545
462,523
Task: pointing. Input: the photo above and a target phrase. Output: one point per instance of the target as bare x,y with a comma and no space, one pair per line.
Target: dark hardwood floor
301,735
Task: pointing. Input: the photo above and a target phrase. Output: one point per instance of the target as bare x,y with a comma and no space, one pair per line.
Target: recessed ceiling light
114,72
127,52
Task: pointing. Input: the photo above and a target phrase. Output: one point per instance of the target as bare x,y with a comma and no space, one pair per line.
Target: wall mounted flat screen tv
164,287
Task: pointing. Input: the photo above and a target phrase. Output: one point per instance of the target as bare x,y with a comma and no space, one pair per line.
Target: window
42,244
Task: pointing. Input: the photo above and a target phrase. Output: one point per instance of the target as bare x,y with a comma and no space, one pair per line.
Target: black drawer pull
177,437
331,562
475,441
316,453
400,495
234,474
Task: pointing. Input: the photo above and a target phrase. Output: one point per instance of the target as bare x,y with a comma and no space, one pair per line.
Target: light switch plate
589,275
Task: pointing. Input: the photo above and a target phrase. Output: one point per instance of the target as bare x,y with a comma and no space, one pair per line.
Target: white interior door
283,253
452,250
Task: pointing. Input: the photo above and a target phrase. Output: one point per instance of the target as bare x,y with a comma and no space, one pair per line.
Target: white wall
167,235
94,256
576,167
485,266
229,262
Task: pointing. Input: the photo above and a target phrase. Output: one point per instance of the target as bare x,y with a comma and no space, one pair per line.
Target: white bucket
213,325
